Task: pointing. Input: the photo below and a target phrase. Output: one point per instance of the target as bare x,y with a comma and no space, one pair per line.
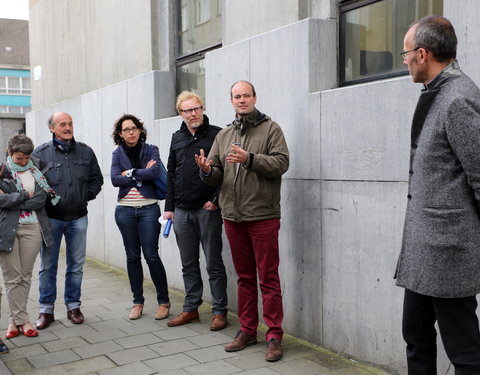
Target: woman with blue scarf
24,226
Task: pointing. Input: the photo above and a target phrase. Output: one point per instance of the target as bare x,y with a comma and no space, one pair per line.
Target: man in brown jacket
248,158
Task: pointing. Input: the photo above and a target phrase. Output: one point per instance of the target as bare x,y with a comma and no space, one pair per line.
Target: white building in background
327,71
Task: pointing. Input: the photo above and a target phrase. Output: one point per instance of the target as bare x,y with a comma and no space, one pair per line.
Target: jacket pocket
54,172
82,169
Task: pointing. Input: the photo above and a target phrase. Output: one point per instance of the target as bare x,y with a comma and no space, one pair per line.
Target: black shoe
3,348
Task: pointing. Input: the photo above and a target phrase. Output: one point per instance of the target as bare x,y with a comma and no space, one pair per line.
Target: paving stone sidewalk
108,343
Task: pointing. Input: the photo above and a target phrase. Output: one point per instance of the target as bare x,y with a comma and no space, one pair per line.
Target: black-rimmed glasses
404,54
189,111
130,130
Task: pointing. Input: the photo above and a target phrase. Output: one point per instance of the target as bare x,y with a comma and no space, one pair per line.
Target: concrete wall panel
224,67
253,17
465,19
301,258
9,126
280,64
97,50
361,239
114,100
366,130
164,93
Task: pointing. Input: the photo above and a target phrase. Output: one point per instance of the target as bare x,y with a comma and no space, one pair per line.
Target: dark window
371,36
199,31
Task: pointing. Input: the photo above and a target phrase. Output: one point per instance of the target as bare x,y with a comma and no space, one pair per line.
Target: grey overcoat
440,255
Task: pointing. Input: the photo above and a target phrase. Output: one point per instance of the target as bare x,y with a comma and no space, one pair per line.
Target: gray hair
20,143
437,35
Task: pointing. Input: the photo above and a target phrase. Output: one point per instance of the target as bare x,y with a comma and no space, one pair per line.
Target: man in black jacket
193,207
74,174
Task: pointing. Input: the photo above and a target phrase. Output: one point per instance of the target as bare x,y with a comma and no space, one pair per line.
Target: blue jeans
140,230
194,227
75,232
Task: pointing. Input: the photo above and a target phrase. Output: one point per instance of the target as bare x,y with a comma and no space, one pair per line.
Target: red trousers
254,247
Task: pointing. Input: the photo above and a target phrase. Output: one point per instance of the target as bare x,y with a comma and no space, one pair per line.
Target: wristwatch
129,173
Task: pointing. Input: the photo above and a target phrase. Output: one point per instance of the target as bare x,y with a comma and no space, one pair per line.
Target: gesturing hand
202,162
238,155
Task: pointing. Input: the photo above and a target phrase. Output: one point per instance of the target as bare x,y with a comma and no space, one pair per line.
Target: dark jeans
140,229
458,326
192,227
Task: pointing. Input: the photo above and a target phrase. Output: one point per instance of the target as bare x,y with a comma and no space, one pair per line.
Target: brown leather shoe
274,351
242,340
162,311
219,322
136,312
44,320
185,317
75,316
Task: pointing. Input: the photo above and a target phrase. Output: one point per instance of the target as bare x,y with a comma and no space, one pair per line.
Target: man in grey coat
439,264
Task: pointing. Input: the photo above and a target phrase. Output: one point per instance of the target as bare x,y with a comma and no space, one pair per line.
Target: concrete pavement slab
213,368
210,339
104,335
173,347
125,356
143,339
72,342
171,362
89,366
22,352
108,343
137,368
176,333
299,366
212,353
93,350
52,359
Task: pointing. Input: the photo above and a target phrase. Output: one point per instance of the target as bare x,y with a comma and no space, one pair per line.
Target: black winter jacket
74,174
185,189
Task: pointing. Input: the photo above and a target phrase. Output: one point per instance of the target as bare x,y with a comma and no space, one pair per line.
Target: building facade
327,71
14,79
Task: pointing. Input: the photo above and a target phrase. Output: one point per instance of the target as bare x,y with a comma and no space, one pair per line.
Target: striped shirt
135,199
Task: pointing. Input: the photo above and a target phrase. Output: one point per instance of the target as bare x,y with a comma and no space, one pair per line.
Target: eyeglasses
404,54
189,111
130,130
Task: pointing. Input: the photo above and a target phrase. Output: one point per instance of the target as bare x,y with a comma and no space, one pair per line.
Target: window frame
192,56
344,7
6,89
